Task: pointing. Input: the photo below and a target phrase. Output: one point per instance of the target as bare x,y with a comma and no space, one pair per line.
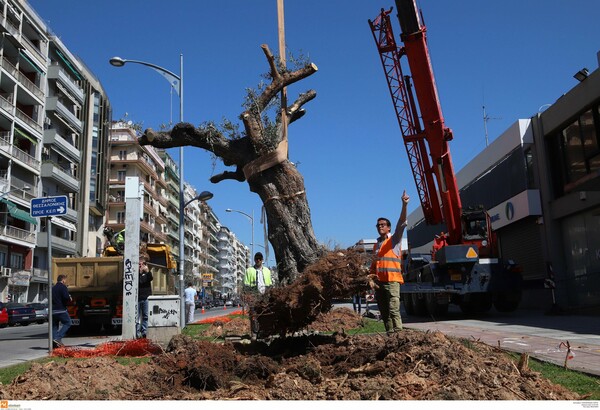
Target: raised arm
401,224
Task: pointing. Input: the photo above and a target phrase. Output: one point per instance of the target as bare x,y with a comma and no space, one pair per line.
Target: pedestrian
356,303
190,302
144,290
256,282
60,315
386,269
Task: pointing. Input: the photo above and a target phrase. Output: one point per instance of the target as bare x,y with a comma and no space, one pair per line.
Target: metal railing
26,158
28,120
27,83
17,233
6,103
9,67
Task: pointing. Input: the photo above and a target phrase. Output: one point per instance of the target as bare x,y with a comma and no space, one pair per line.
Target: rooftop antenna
486,118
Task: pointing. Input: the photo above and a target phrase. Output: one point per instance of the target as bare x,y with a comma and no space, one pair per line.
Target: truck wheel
507,301
476,303
408,305
418,302
436,306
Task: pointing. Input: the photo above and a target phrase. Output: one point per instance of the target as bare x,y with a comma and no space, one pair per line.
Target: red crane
465,268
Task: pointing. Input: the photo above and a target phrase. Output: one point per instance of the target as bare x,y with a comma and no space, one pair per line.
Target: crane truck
96,284
464,266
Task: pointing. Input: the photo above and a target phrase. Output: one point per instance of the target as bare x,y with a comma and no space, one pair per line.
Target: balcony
56,173
40,275
71,215
6,103
41,58
29,85
9,67
59,244
26,159
51,137
17,233
56,72
53,104
27,120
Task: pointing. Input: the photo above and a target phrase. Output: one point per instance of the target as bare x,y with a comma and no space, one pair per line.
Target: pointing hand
405,198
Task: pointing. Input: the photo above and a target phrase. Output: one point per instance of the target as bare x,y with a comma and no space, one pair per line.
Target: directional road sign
49,206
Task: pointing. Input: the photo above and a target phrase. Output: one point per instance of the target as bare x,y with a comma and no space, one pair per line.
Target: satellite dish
129,122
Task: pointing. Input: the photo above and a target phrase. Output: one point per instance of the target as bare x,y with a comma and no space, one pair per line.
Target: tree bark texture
259,156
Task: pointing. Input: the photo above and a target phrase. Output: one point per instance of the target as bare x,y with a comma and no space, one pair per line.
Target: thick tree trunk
260,157
290,230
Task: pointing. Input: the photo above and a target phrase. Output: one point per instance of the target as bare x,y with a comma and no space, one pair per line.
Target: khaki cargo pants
388,300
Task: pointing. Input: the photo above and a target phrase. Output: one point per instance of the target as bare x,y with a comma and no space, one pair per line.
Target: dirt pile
407,365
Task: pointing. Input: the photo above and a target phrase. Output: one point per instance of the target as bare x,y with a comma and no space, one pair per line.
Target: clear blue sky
514,56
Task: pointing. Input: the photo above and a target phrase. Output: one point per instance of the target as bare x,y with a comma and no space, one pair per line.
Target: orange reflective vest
386,264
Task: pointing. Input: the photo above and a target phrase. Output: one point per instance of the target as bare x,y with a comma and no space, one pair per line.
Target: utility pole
131,256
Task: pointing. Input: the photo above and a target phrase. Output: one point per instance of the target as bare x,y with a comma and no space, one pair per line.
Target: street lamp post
251,218
176,82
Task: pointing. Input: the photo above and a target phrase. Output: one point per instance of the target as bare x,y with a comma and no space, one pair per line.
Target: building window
120,217
574,156
529,170
121,175
580,147
123,155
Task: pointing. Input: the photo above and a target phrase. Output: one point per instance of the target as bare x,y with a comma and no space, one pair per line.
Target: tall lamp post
176,82
251,218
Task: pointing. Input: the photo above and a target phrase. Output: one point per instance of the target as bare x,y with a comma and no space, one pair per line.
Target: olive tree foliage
258,155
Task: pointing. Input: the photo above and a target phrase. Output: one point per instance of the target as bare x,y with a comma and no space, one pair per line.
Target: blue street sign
49,206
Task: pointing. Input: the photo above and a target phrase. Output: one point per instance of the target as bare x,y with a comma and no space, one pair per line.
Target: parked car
19,313
3,315
229,303
41,311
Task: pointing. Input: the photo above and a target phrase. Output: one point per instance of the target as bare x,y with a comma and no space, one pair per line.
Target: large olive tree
259,155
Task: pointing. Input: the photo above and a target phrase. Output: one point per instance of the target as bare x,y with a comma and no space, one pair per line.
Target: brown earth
409,365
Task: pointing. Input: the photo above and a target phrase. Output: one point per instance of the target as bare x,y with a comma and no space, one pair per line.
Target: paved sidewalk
542,336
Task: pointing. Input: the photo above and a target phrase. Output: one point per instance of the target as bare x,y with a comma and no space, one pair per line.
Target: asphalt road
23,343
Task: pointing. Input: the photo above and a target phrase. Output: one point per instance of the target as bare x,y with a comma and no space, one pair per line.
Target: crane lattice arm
421,121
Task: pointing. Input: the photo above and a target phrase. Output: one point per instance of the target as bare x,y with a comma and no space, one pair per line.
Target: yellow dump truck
96,285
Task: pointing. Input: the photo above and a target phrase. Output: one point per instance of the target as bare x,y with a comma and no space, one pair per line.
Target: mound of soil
409,365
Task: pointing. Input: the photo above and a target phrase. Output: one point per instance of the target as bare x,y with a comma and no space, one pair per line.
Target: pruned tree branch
238,175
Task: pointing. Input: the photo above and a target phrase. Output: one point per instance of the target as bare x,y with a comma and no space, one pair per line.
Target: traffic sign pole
48,207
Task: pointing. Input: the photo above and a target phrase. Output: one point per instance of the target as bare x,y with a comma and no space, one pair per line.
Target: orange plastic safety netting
130,348
222,319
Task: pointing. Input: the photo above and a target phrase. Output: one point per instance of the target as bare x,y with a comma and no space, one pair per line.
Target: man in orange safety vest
386,268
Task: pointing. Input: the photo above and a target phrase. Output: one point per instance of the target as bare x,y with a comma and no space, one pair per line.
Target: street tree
259,154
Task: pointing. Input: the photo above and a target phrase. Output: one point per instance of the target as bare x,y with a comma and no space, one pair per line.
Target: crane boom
421,121
464,265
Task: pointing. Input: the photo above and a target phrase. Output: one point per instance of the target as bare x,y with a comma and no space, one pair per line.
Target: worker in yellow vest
256,281
386,268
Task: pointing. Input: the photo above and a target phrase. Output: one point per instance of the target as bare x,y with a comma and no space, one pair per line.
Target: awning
68,63
64,224
30,60
24,135
15,212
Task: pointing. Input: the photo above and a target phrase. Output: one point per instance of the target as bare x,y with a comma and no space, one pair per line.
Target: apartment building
233,260
129,159
23,73
54,121
171,198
